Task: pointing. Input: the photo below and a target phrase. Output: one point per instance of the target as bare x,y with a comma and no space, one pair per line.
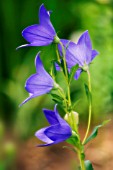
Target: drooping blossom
39,83
58,131
41,34
80,53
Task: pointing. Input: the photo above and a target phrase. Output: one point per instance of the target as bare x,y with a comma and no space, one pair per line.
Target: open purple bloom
58,131
80,53
40,82
41,34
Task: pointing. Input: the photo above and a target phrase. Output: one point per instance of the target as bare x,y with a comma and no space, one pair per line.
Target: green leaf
95,131
72,72
57,101
55,96
88,165
88,93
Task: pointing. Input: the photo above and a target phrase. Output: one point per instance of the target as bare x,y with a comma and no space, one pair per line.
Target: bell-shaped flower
41,34
39,83
80,53
58,131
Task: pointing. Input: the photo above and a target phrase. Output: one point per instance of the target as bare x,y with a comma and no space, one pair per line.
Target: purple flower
58,131
41,34
39,83
80,53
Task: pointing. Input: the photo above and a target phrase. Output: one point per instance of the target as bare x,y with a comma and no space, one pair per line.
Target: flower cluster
70,54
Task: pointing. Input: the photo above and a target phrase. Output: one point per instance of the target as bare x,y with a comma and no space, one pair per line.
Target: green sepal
88,165
73,140
72,72
88,93
95,131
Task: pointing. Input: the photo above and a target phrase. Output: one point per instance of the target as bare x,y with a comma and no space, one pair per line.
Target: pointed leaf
95,131
55,96
88,93
57,101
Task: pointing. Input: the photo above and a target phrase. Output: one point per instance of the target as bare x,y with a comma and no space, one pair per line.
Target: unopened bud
76,117
72,117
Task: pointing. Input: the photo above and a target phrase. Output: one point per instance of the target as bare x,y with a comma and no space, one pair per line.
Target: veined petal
39,83
37,35
77,74
71,58
41,34
58,132
84,48
44,18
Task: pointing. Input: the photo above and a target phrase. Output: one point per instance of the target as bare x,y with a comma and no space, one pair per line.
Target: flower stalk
90,108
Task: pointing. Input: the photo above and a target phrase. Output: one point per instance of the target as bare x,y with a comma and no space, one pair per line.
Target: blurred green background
70,18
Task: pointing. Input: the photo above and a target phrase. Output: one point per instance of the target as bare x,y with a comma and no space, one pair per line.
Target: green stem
61,92
66,74
64,58
57,53
90,108
82,165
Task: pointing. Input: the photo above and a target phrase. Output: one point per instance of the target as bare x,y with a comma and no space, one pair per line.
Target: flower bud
72,118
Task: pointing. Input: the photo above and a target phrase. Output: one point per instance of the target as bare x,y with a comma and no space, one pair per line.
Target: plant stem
64,58
57,53
90,108
66,74
82,165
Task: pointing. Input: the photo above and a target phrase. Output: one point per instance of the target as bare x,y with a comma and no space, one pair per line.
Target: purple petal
37,35
59,118
71,59
44,18
77,74
41,135
50,116
83,49
39,83
58,132
94,54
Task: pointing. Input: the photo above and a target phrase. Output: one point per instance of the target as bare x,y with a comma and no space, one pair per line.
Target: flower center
56,39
